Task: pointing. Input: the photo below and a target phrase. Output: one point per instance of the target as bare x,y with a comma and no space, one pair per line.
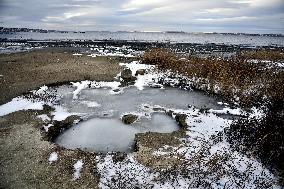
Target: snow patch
44,118
46,128
230,111
61,113
18,104
77,54
41,90
53,157
77,167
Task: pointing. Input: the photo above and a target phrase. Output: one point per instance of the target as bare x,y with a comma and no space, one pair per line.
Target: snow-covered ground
204,158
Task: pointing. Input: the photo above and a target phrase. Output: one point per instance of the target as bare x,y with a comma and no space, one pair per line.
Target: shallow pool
103,108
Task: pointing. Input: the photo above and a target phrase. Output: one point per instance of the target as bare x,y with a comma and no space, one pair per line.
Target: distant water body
200,38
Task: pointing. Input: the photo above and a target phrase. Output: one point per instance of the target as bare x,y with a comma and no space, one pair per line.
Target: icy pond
102,109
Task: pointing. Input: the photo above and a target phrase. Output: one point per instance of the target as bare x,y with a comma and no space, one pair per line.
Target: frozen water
107,134
130,99
103,129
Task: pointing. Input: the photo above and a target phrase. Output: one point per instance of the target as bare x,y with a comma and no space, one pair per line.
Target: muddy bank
22,72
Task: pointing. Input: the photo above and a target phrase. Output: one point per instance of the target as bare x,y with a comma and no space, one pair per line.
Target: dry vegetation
274,55
234,77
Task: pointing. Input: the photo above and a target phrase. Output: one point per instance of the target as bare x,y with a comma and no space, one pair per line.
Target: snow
130,172
280,64
44,118
234,169
18,104
93,84
77,54
256,113
223,103
142,80
80,86
53,157
46,128
236,111
77,167
61,113
113,51
41,90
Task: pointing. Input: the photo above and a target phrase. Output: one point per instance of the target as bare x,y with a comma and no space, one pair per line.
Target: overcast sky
250,16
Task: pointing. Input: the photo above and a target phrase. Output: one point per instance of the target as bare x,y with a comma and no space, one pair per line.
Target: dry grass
254,84
273,55
235,76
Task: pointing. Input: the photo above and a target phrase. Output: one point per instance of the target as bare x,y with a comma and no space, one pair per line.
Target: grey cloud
187,15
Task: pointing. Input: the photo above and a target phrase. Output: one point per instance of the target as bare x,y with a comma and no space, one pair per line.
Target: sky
247,16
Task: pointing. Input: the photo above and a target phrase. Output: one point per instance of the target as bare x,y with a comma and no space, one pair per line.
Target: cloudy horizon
246,16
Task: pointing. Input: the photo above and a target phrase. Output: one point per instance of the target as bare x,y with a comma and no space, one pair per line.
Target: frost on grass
77,167
53,157
203,160
125,174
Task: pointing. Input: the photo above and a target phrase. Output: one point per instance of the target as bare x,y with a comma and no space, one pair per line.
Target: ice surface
106,134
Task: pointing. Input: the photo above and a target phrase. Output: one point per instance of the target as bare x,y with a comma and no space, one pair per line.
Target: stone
129,118
126,75
59,126
140,72
181,120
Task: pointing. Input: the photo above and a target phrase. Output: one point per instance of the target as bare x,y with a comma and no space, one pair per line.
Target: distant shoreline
14,30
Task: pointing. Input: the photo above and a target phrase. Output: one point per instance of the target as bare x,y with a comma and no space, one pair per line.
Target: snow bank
18,104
